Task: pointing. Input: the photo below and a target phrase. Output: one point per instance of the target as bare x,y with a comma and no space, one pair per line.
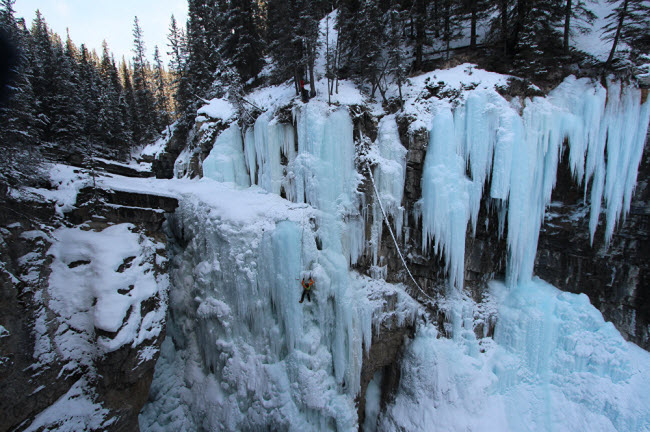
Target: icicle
521,153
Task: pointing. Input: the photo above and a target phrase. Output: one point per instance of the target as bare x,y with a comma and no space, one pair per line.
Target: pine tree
536,37
18,117
128,106
68,121
112,122
476,10
583,16
629,22
397,63
178,65
43,67
143,95
202,44
364,43
283,48
161,102
241,45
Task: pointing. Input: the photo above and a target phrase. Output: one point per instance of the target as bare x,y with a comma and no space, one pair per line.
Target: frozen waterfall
519,154
281,201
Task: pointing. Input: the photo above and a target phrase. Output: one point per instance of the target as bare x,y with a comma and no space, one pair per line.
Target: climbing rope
399,252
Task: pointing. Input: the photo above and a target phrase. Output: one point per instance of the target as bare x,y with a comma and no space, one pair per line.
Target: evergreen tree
537,37
67,119
178,68
476,10
161,102
364,38
629,22
143,95
420,20
128,106
202,46
91,89
285,51
578,11
111,117
240,44
18,116
397,63
43,67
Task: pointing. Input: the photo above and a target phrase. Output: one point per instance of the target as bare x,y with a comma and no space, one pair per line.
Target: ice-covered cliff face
243,354
518,154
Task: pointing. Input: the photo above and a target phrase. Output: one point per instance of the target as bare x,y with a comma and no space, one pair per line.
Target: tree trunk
312,84
472,37
503,5
522,12
420,16
621,19
567,25
447,31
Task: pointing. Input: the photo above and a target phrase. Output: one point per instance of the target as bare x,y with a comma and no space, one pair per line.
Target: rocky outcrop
37,373
384,355
616,277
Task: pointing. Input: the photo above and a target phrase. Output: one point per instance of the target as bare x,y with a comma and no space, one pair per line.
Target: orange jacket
307,285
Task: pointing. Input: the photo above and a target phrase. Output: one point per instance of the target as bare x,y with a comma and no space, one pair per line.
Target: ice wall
488,140
246,355
554,364
250,356
226,162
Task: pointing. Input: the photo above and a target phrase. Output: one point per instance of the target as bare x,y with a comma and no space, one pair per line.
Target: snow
554,364
157,147
216,109
92,286
74,411
67,181
418,105
133,164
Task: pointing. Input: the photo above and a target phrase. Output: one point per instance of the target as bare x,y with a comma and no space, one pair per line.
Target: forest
67,97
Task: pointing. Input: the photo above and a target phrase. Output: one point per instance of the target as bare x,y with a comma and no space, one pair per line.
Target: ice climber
303,92
306,289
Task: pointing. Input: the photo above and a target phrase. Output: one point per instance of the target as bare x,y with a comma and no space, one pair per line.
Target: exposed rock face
485,252
616,277
35,371
23,397
383,356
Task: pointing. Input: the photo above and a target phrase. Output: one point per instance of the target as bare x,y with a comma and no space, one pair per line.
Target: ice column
445,196
226,162
390,172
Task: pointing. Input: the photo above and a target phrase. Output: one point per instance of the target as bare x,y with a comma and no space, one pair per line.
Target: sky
92,21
